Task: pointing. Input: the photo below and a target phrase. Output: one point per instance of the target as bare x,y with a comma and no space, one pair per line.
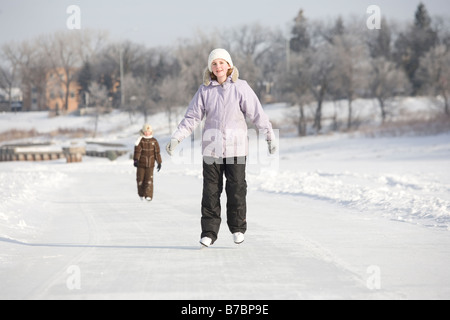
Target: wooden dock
48,151
40,152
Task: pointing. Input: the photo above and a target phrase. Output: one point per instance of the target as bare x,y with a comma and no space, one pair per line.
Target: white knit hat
219,54
147,127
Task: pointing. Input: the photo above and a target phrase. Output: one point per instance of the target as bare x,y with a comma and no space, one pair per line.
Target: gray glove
170,148
272,146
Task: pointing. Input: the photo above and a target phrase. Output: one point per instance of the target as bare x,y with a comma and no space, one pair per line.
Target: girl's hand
272,146
170,148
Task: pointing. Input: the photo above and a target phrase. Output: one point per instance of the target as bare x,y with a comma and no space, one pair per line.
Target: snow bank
23,187
404,178
402,197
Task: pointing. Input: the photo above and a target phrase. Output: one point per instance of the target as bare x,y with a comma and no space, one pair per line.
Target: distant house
13,102
33,99
51,93
59,90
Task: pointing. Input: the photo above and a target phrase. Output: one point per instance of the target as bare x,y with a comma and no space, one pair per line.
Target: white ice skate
205,241
148,199
238,237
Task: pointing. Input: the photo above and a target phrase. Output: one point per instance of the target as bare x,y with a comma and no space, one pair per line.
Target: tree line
317,61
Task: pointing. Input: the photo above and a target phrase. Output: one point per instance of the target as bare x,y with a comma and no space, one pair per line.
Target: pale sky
164,22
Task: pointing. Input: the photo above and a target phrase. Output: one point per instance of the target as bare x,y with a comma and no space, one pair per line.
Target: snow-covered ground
335,216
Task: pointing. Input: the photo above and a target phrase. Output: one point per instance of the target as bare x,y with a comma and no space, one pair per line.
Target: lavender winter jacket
225,108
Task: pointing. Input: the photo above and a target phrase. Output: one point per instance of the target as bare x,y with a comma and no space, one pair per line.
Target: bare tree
173,93
350,70
318,76
192,56
142,96
9,70
66,51
100,100
386,80
61,50
257,50
295,85
434,72
26,66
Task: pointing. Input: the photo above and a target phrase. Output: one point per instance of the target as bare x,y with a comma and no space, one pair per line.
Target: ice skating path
96,240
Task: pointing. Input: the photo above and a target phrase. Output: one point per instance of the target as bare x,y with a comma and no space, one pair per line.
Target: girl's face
147,133
220,68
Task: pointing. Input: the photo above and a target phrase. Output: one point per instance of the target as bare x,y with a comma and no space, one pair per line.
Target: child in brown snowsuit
146,153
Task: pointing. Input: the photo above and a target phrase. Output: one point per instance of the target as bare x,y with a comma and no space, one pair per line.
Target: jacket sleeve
137,150
157,153
252,109
193,117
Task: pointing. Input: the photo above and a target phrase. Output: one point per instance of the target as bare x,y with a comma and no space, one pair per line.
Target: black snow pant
236,190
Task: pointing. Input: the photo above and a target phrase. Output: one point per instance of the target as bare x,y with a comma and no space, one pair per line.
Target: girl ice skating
146,153
225,101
